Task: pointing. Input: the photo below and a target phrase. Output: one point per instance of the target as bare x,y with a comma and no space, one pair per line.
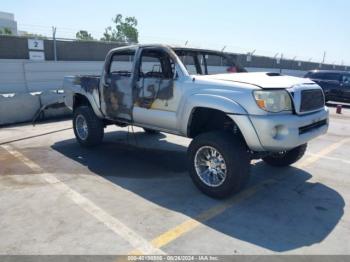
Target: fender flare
90,100
210,101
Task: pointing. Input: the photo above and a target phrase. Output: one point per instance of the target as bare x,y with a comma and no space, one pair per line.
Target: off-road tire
286,159
95,126
236,157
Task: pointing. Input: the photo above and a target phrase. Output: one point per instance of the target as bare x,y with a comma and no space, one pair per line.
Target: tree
33,35
125,30
84,35
5,31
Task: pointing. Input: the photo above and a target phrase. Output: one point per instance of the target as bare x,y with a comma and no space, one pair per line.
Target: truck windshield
208,63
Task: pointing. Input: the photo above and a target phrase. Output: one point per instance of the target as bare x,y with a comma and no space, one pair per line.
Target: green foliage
84,35
33,35
5,31
125,30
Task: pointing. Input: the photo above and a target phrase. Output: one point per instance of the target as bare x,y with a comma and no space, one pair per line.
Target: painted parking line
190,224
134,239
332,158
322,153
210,213
142,246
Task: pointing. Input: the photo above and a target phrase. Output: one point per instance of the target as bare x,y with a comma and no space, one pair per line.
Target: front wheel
88,128
286,158
218,163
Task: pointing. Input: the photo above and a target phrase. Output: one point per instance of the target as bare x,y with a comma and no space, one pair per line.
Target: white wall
25,76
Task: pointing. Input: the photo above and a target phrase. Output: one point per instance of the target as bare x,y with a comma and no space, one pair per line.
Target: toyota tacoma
231,115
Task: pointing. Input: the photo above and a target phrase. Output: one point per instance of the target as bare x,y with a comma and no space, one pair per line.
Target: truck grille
311,100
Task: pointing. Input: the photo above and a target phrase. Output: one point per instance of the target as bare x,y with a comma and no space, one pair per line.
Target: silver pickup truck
231,115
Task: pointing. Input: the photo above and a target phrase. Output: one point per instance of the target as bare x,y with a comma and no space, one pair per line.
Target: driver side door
155,90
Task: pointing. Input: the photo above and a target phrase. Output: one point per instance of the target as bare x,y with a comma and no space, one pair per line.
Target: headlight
273,100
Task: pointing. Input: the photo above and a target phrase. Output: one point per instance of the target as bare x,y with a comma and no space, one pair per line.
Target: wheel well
207,119
80,100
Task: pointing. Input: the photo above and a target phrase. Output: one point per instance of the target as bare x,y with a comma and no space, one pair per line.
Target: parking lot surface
133,195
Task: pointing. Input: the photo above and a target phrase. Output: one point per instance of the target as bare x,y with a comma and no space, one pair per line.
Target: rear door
116,85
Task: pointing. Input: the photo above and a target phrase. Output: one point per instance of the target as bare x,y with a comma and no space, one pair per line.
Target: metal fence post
54,43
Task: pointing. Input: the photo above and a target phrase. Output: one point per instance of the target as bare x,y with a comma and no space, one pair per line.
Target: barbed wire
69,33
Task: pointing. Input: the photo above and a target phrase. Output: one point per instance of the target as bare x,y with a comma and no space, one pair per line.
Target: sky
304,29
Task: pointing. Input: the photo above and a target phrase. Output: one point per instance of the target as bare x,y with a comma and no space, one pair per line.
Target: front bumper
283,132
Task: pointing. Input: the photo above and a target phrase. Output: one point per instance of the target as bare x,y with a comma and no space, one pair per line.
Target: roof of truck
174,47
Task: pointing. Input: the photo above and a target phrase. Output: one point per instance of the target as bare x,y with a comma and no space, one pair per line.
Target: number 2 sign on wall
35,44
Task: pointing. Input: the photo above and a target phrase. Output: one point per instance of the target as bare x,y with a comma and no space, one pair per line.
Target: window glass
189,62
156,64
122,63
325,76
218,64
316,75
150,66
308,75
331,76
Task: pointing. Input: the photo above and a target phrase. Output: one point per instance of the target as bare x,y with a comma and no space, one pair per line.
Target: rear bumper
283,132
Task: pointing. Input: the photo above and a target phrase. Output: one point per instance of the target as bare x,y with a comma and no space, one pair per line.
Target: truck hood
263,80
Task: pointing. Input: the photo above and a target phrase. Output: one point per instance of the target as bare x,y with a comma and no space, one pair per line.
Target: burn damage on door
162,90
131,80
155,78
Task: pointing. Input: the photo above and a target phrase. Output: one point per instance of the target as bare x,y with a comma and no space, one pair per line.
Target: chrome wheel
210,166
81,127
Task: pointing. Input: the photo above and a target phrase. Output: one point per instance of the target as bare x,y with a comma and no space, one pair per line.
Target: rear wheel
88,128
286,158
218,163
